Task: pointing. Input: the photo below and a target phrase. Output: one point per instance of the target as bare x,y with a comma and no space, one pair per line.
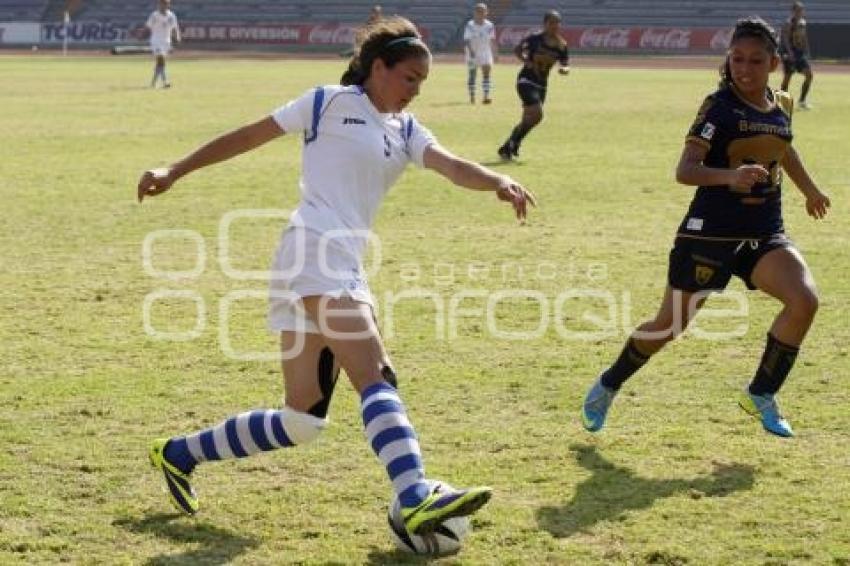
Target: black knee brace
327,382
389,376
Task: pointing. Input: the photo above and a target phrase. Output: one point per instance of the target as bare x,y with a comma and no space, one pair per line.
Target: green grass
680,474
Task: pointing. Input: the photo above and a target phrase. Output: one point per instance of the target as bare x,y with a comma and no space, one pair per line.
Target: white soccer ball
446,539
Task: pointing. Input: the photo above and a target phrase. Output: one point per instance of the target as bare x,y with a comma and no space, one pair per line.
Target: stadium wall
827,40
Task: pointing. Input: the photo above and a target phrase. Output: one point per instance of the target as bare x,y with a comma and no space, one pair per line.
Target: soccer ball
446,539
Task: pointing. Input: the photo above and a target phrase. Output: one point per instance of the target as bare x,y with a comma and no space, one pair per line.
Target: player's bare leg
783,274
804,91
349,329
531,116
677,310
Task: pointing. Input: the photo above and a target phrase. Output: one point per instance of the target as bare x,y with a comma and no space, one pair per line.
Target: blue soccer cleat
179,489
442,505
596,405
764,407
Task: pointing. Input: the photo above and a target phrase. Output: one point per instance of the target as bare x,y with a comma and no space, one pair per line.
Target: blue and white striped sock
485,86
240,436
470,81
394,442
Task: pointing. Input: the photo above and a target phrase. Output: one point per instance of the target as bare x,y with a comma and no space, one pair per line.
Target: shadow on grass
502,163
211,545
383,558
613,490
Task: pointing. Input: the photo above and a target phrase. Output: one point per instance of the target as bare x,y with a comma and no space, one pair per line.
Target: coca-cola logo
617,38
510,36
675,38
344,34
321,34
720,40
328,35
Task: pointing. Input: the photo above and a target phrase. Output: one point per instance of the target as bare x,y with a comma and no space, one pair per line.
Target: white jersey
479,37
352,155
161,26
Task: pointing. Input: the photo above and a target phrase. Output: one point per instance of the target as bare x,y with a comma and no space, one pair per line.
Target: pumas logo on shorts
353,121
703,274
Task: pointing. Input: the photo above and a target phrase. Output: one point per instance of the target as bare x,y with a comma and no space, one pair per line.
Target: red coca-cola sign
720,39
633,38
607,38
675,38
331,35
511,35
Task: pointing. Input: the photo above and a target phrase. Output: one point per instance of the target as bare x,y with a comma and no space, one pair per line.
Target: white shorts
306,265
482,58
160,48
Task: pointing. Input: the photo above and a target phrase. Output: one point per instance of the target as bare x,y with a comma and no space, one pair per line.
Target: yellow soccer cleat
179,489
442,505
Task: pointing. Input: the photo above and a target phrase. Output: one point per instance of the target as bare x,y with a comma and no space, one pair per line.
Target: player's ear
774,62
379,67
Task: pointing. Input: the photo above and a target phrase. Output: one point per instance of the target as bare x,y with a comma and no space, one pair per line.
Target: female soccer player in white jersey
479,38
357,141
163,23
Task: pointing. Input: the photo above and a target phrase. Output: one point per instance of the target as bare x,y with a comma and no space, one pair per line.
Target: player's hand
745,176
519,197
817,204
155,182
564,70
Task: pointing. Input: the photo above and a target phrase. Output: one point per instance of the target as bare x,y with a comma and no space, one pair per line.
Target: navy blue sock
631,359
776,362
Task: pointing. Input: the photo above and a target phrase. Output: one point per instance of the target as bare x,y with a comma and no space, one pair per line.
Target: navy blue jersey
736,132
794,35
540,57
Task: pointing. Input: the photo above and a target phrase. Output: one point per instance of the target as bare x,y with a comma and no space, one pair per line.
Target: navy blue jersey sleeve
711,126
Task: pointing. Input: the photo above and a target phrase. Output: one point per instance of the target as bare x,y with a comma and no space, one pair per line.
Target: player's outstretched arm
473,176
231,144
817,202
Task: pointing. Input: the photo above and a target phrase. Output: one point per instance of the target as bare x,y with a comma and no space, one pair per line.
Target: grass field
679,476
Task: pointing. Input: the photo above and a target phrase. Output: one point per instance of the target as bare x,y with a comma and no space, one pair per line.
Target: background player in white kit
357,141
163,23
479,38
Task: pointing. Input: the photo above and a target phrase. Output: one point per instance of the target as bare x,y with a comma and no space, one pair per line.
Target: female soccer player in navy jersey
734,153
538,52
357,141
794,50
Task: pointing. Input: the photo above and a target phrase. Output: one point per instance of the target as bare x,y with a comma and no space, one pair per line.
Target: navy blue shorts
798,62
531,95
708,265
